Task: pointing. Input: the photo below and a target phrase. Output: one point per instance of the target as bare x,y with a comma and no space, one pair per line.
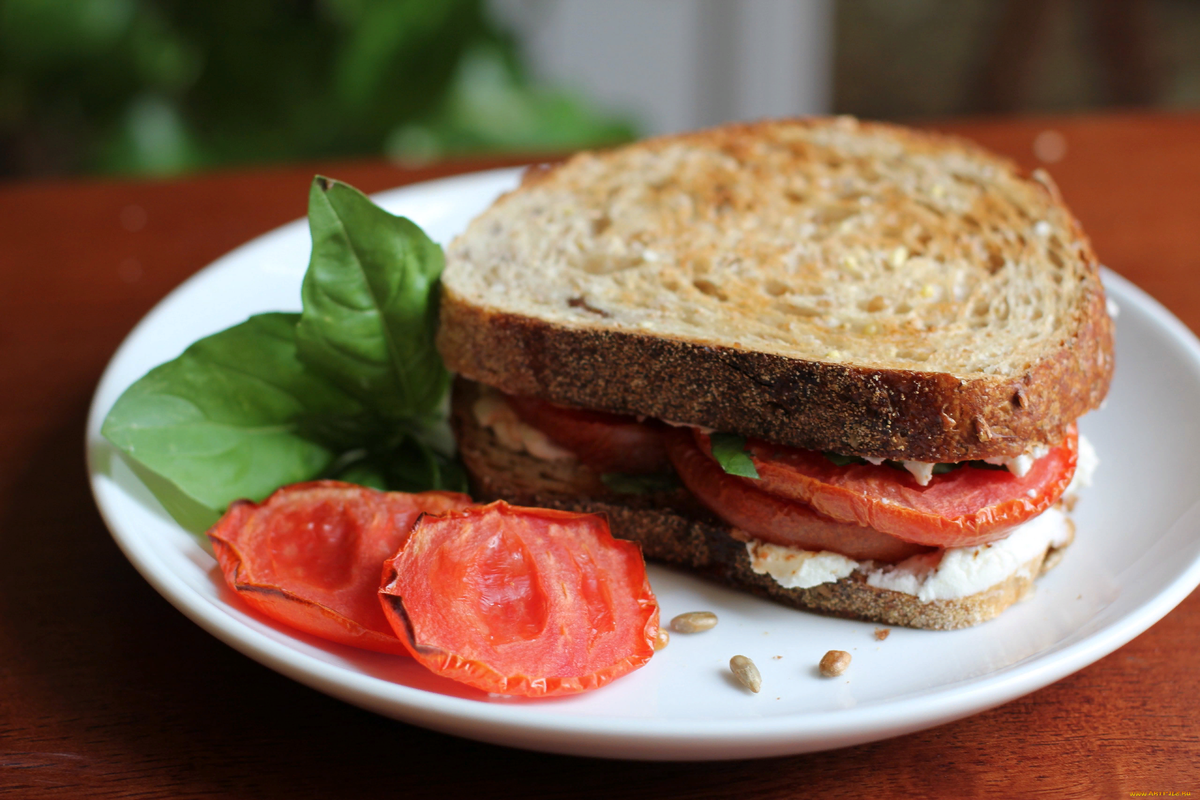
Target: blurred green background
160,87
157,87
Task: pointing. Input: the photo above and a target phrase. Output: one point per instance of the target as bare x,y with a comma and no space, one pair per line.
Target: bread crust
902,414
831,405
673,528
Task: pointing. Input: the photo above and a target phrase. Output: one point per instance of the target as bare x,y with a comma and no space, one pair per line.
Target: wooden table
108,691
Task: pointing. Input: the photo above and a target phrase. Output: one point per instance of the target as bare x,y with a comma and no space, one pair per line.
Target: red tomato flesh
605,442
310,555
965,507
521,601
773,519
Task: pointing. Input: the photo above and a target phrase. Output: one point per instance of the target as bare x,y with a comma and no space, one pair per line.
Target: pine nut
694,622
834,663
662,638
746,673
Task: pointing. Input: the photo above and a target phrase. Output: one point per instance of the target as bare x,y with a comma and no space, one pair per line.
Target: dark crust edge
671,527
889,413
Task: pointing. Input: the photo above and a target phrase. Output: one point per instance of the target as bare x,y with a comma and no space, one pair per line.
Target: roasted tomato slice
605,442
964,507
521,601
774,519
311,554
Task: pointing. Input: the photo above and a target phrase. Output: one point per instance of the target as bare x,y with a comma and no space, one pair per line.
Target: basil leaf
624,483
370,304
411,465
729,450
235,416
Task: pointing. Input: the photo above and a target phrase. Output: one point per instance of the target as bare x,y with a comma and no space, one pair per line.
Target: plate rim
624,737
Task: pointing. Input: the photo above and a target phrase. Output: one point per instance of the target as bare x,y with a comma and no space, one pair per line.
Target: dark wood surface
108,691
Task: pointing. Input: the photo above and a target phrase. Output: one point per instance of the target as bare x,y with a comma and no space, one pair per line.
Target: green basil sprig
729,449
349,388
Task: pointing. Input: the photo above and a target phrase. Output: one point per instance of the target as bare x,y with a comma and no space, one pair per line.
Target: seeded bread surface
672,527
827,284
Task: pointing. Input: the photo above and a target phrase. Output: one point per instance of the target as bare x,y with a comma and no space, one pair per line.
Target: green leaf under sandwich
729,450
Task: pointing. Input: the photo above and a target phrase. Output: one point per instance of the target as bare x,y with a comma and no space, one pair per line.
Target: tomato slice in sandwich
964,507
521,601
311,555
605,442
774,519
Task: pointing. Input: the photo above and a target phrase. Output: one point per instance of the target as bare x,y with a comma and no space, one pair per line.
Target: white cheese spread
946,575
493,413
798,569
964,571
1020,465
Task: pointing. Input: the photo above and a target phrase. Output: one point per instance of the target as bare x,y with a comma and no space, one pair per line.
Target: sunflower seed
746,673
834,663
694,622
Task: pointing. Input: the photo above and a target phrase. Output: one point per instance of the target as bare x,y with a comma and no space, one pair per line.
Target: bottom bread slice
674,528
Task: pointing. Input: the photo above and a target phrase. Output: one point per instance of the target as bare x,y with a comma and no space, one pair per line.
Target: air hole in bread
604,264
579,302
794,196
903,308
775,288
829,215
915,355
980,308
709,288
600,224
930,207
796,309
995,260
1057,261
874,305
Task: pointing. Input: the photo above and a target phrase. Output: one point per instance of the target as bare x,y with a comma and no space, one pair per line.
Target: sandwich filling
811,518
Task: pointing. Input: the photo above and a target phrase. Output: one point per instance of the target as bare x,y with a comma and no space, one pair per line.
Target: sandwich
834,363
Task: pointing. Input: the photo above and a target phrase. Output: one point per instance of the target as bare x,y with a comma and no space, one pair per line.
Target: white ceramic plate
1136,556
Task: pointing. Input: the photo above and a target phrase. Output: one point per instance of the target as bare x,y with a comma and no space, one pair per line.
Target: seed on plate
746,673
694,622
662,638
834,663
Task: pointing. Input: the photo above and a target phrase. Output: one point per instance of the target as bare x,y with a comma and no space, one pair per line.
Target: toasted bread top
823,283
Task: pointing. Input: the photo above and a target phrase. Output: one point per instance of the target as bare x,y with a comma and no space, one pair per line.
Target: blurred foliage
164,86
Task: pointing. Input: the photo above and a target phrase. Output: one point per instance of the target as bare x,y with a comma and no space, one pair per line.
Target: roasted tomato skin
961,508
605,442
545,602
774,519
310,555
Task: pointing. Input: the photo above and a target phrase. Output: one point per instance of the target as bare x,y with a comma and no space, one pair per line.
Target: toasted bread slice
828,284
673,527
